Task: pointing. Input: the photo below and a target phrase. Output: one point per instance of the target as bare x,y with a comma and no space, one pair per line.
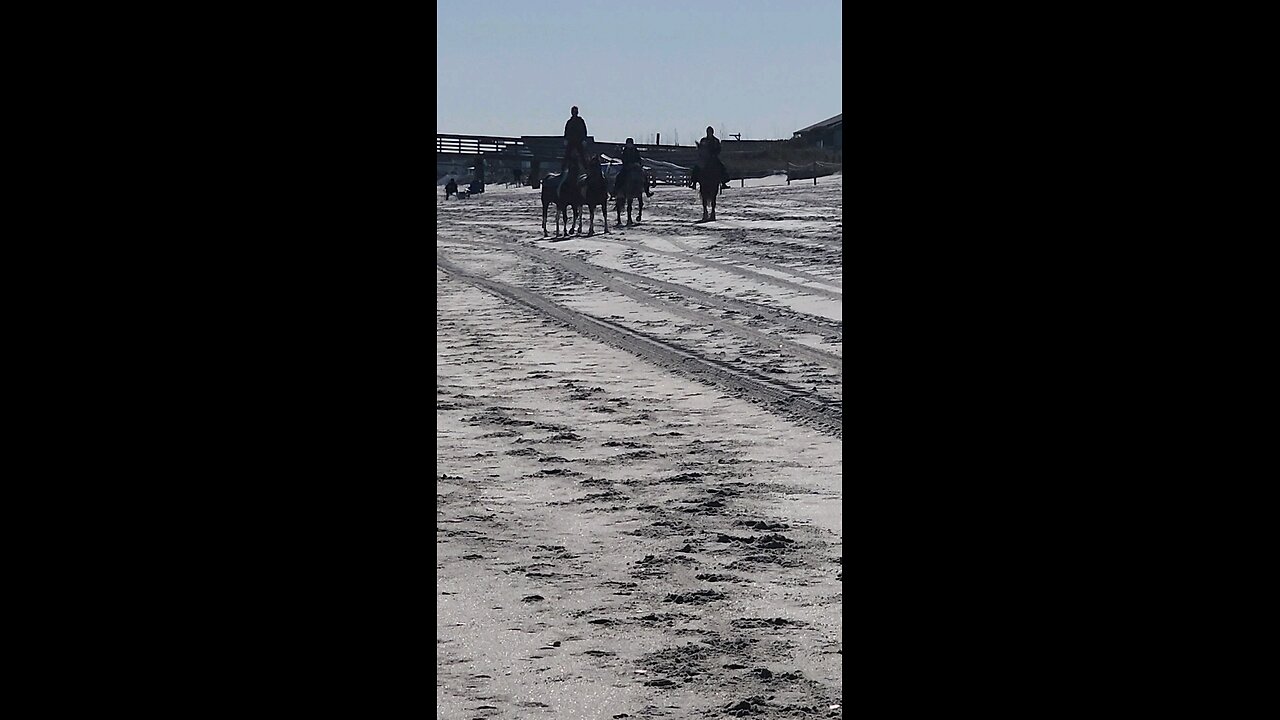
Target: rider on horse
631,158
712,144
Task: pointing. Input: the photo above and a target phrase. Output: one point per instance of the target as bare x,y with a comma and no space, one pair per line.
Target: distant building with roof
827,134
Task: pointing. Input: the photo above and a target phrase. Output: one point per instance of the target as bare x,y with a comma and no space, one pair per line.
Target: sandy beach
638,458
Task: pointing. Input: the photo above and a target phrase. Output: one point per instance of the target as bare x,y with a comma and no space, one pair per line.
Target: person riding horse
631,158
575,133
712,143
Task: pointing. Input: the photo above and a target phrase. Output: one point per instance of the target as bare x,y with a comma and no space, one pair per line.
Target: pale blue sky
763,68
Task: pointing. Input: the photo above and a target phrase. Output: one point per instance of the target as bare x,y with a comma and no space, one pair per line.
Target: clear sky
763,68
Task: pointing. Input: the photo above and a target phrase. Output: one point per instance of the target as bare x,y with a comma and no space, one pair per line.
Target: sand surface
638,458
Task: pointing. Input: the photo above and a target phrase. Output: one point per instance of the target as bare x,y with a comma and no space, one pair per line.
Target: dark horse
450,188
565,190
709,179
595,192
632,187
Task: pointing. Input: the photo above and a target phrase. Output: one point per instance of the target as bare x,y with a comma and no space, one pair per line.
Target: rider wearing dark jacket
575,133
630,157
712,143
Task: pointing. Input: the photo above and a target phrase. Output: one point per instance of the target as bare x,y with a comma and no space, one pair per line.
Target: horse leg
640,212
713,205
619,207
604,216
544,219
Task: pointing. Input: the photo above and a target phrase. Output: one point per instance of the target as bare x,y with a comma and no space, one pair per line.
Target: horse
450,188
550,194
709,180
565,190
632,188
595,192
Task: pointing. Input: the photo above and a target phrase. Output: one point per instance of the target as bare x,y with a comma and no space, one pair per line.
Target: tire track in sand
791,319
776,396
752,260
734,269
601,275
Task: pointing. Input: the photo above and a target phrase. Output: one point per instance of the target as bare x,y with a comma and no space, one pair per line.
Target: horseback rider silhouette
631,158
712,143
575,133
